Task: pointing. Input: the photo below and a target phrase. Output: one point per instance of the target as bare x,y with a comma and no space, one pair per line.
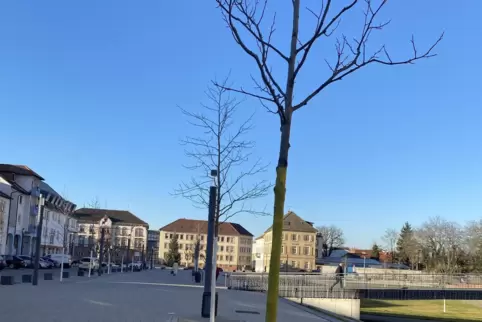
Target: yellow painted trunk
274,265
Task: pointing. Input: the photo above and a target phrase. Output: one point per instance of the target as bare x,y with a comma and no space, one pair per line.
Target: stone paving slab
143,296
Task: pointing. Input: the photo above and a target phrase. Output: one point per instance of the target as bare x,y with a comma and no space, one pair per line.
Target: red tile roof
201,227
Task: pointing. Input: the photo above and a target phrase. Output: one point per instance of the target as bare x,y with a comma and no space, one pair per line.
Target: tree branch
345,66
222,145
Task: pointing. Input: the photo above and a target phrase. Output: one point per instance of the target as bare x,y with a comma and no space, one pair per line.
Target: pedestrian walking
339,276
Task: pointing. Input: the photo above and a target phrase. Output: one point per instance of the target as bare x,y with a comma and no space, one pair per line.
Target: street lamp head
214,173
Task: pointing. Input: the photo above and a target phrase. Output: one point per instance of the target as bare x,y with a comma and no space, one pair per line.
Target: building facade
125,240
4,209
234,243
24,186
153,245
298,244
258,254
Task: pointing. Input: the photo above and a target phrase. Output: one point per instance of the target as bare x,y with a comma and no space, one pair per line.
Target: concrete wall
344,307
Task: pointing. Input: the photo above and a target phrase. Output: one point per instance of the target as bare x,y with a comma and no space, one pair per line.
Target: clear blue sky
89,91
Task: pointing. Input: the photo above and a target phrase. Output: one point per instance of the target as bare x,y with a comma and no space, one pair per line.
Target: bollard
65,274
80,273
197,277
6,280
26,278
48,276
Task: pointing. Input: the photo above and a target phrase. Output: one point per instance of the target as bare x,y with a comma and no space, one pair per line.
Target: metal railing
319,285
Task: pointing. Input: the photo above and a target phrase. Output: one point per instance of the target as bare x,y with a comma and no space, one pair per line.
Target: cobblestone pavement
140,296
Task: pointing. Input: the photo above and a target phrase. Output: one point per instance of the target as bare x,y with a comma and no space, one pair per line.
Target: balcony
34,210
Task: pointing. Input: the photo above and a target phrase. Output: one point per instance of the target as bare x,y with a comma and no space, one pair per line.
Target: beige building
299,244
234,241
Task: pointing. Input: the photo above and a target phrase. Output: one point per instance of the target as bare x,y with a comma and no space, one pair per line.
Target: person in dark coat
218,271
339,275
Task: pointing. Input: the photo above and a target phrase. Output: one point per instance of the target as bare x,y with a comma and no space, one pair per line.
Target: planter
7,280
26,278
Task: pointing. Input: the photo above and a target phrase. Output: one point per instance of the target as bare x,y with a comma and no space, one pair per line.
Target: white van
59,258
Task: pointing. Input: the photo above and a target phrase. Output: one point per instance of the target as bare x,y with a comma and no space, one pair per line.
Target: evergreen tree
375,252
405,244
173,256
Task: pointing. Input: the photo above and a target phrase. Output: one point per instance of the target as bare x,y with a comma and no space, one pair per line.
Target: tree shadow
376,304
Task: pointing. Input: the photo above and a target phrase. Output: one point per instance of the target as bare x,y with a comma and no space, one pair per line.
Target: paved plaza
153,295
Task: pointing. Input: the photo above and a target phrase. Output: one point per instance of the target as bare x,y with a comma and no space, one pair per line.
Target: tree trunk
279,203
281,170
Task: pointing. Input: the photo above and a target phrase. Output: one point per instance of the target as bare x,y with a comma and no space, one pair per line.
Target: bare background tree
222,145
247,20
94,203
332,237
390,242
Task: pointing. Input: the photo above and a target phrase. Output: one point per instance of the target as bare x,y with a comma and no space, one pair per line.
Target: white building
59,227
4,210
258,250
23,186
127,237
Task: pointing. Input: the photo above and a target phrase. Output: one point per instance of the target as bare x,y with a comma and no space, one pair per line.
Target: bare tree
93,204
390,242
442,244
222,145
245,19
331,238
473,242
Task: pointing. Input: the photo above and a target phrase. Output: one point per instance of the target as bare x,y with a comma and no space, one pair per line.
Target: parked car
27,260
3,263
13,261
87,263
137,265
45,264
59,258
51,261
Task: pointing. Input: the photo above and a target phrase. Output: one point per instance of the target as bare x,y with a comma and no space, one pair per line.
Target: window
82,240
222,239
307,265
306,250
139,232
293,237
167,236
293,264
170,235
283,237
221,257
222,248
192,237
181,237
20,199
306,238
294,250
180,246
